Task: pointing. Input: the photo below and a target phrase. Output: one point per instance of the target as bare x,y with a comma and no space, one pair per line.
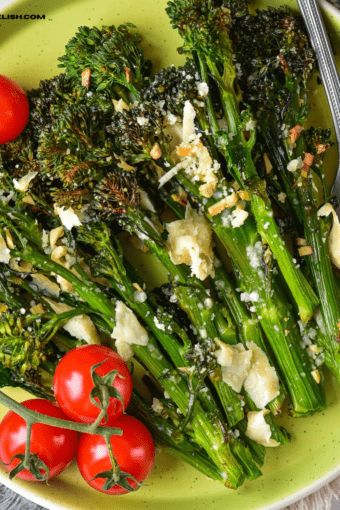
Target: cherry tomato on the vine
55,446
134,453
73,383
14,109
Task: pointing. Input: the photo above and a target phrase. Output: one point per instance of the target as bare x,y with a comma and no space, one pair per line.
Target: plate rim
24,490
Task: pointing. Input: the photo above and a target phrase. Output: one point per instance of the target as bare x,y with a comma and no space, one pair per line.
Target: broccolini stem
206,434
279,327
248,327
189,297
162,431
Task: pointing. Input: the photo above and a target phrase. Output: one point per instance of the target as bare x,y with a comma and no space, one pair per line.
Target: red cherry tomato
73,383
14,109
134,452
54,446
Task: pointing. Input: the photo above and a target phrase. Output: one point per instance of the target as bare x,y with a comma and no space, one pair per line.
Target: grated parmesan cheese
254,254
251,125
239,217
189,115
258,430
191,243
192,156
203,89
157,405
142,121
128,331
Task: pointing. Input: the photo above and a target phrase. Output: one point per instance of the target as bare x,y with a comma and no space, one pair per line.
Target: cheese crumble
128,331
194,157
258,430
68,217
81,326
334,235
191,243
23,183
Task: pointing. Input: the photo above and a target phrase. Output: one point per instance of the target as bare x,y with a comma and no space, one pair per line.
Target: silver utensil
311,14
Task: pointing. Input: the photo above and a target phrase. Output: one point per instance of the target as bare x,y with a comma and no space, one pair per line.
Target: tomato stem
32,417
115,467
29,424
105,404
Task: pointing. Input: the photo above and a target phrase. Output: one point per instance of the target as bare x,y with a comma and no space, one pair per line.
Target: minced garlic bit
282,197
124,165
267,163
4,251
23,183
55,235
28,200
262,382
305,250
156,151
195,158
191,243
334,235
81,326
68,217
3,308
316,376
85,77
258,430
9,239
225,203
37,309
235,362
128,331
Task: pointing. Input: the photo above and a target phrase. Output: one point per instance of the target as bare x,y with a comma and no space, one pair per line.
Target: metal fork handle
329,74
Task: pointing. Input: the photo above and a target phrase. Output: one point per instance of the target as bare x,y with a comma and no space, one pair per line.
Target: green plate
28,52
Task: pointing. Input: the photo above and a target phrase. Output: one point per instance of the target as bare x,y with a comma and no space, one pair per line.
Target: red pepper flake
85,78
294,133
127,74
284,64
179,200
309,158
304,171
322,147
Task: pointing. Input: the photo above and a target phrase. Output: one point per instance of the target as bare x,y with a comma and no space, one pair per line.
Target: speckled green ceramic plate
28,53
